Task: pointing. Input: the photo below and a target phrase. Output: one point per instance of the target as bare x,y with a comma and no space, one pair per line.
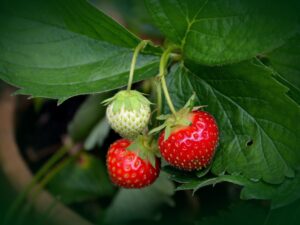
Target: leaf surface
224,31
59,49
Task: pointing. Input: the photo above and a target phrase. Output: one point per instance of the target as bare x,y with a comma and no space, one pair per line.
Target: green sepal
167,132
162,117
199,107
145,148
157,129
107,101
191,102
131,100
179,119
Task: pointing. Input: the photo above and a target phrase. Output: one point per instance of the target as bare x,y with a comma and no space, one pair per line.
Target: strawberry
128,113
190,147
127,168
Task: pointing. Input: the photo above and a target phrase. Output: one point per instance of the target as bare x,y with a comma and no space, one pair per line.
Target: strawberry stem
137,49
162,72
158,97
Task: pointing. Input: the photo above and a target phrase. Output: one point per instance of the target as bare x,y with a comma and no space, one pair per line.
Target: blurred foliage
84,178
130,205
134,14
89,113
26,215
237,214
97,135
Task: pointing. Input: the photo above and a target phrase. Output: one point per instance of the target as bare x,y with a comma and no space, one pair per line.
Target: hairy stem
162,72
138,48
158,97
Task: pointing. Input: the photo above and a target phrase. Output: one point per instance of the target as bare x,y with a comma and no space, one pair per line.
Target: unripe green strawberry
128,113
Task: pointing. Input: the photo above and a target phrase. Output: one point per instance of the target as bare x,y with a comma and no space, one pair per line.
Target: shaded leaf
285,61
280,195
83,179
237,214
179,175
97,135
241,212
288,215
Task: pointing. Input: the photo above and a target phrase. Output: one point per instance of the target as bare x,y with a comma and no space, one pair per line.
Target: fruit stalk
158,97
162,72
138,48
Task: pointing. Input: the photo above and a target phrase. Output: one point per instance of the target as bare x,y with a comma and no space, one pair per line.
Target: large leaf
258,135
285,61
224,31
83,179
58,49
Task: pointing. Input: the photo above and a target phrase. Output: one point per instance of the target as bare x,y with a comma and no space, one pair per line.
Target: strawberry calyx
146,148
181,119
130,100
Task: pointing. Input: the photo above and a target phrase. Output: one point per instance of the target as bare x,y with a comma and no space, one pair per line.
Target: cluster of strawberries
187,140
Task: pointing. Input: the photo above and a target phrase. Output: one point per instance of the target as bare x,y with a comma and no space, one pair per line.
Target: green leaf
280,195
285,61
83,179
135,204
179,175
59,49
97,135
197,184
258,135
224,31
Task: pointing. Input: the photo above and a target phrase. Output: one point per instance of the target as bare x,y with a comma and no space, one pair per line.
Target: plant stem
138,48
54,159
158,97
162,72
51,174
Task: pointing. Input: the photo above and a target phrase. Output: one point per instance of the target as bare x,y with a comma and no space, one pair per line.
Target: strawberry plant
209,95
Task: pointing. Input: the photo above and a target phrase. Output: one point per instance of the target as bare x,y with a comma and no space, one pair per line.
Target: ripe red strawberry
191,147
126,169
